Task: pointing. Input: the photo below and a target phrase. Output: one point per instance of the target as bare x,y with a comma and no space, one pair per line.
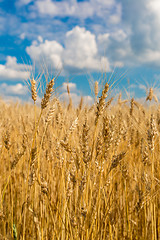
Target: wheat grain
47,95
33,90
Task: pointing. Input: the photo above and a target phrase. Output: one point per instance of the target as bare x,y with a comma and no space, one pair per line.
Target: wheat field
85,172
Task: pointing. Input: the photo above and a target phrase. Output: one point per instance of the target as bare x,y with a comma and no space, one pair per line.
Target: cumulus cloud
143,29
80,52
114,34
13,93
13,71
11,90
116,45
50,51
136,40
125,37
77,9
133,41
150,56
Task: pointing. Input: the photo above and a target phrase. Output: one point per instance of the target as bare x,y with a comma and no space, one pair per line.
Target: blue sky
82,39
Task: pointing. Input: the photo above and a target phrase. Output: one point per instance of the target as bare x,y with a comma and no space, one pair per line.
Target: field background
85,172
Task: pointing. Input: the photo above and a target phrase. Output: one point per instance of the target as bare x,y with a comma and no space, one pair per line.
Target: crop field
85,172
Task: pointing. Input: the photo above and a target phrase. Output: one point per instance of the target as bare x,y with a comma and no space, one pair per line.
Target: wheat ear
47,95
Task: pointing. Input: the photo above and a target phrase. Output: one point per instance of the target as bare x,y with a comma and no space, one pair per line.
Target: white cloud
17,89
116,17
119,35
80,52
104,39
22,36
13,93
128,31
81,49
150,56
136,40
47,7
13,71
125,38
20,3
116,46
49,51
77,9
88,100
154,6
40,39
143,29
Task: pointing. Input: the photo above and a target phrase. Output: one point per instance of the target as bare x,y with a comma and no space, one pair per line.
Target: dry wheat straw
85,145
74,194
